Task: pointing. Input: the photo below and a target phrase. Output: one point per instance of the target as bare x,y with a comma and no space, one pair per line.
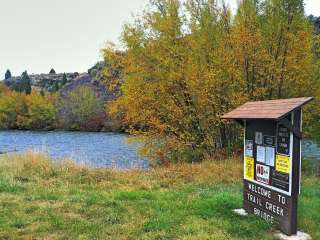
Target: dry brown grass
38,166
207,172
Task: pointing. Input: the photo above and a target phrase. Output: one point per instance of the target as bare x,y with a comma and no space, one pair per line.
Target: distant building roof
270,109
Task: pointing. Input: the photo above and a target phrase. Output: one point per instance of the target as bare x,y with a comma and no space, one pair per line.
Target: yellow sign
283,163
249,168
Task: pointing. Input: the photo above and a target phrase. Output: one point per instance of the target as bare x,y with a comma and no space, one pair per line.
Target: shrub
40,113
11,105
81,109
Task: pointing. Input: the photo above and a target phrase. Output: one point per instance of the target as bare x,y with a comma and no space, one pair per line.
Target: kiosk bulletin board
272,159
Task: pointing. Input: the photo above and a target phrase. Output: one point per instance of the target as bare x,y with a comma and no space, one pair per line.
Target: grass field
40,200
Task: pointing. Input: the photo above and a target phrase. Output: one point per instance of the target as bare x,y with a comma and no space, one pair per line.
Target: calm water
311,150
93,149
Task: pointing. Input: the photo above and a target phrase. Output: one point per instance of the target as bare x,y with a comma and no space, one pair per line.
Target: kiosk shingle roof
270,109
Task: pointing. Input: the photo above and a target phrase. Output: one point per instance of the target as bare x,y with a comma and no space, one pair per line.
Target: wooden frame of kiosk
272,159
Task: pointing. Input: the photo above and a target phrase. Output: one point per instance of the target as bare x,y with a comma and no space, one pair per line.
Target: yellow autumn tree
274,47
40,112
11,106
184,65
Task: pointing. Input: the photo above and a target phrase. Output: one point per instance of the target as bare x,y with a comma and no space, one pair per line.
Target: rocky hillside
86,79
93,78
43,81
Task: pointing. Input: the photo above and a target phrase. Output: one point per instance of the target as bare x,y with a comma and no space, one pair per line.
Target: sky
67,35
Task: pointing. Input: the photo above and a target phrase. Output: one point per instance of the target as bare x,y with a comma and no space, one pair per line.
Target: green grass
39,200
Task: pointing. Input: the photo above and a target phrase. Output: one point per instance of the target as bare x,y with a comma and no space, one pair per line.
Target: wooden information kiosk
272,159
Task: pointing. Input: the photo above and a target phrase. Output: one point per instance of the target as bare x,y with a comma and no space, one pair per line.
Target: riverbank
45,201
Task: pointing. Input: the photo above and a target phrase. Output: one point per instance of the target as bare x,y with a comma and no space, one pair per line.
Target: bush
40,114
81,109
11,105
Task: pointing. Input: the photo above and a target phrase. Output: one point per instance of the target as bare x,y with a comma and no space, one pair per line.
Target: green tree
7,75
64,80
52,71
55,87
24,84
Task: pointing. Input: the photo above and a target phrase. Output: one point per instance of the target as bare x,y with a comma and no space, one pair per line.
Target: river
95,149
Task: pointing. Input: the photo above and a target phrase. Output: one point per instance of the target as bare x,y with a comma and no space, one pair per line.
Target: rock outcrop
94,77
43,81
86,79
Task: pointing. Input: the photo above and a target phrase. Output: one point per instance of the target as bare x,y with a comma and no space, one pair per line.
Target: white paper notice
270,156
261,154
249,148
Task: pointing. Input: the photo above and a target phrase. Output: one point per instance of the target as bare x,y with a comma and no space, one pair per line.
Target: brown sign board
272,159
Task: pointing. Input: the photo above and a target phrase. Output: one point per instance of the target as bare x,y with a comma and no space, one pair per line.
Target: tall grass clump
33,166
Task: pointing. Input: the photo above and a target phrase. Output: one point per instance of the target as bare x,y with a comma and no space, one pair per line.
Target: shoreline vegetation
41,199
79,109
182,65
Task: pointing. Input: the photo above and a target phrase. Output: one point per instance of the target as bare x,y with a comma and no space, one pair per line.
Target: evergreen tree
24,84
64,80
7,75
52,71
55,87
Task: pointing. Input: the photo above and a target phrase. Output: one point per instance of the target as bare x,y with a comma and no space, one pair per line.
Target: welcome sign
272,159
268,171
